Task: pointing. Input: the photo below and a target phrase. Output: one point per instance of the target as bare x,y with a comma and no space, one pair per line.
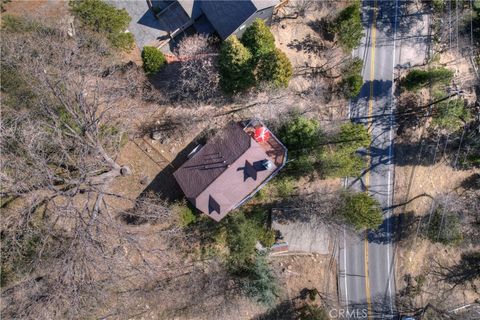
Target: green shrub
361,210
104,18
351,85
353,136
262,194
341,159
338,163
267,238
242,234
300,133
451,115
348,27
187,217
352,81
124,41
438,5
302,137
235,64
275,68
301,164
417,79
253,60
444,227
285,187
258,39
153,59
260,282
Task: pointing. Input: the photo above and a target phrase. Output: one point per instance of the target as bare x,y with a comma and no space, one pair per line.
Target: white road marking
390,151
345,261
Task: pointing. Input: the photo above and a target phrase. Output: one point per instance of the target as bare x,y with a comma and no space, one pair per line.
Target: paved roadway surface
366,279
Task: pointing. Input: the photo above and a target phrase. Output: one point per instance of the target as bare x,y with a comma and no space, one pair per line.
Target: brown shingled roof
229,169
212,160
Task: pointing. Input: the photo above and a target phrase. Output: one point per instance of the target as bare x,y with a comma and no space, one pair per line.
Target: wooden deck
272,147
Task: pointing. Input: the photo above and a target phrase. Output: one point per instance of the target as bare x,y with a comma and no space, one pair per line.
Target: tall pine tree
235,63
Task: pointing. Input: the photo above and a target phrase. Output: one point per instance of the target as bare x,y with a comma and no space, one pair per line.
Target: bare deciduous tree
64,251
198,74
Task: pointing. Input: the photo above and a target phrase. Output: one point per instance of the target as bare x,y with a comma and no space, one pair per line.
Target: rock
289,267
125,171
144,180
165,140
156,135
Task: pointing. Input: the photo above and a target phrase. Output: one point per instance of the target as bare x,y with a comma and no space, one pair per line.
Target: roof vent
267,164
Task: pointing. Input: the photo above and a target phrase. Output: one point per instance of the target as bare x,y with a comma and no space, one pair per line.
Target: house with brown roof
231,167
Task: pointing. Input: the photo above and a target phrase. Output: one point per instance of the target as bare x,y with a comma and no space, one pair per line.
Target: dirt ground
465,78
418,181
302,39
309,271
416,256
45,8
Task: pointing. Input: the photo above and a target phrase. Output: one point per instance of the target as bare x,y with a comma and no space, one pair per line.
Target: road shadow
381,89
378,90
385,234
385,16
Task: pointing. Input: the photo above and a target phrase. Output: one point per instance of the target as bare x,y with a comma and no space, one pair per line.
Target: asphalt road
366,281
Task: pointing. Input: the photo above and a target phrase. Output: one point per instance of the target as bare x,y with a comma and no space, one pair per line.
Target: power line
456,14
450,24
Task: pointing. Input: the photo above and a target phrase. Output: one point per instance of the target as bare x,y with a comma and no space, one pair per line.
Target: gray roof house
230,168
157,22
232,17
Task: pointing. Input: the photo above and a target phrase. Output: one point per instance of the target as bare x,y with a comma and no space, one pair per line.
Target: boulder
125,171
156,135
